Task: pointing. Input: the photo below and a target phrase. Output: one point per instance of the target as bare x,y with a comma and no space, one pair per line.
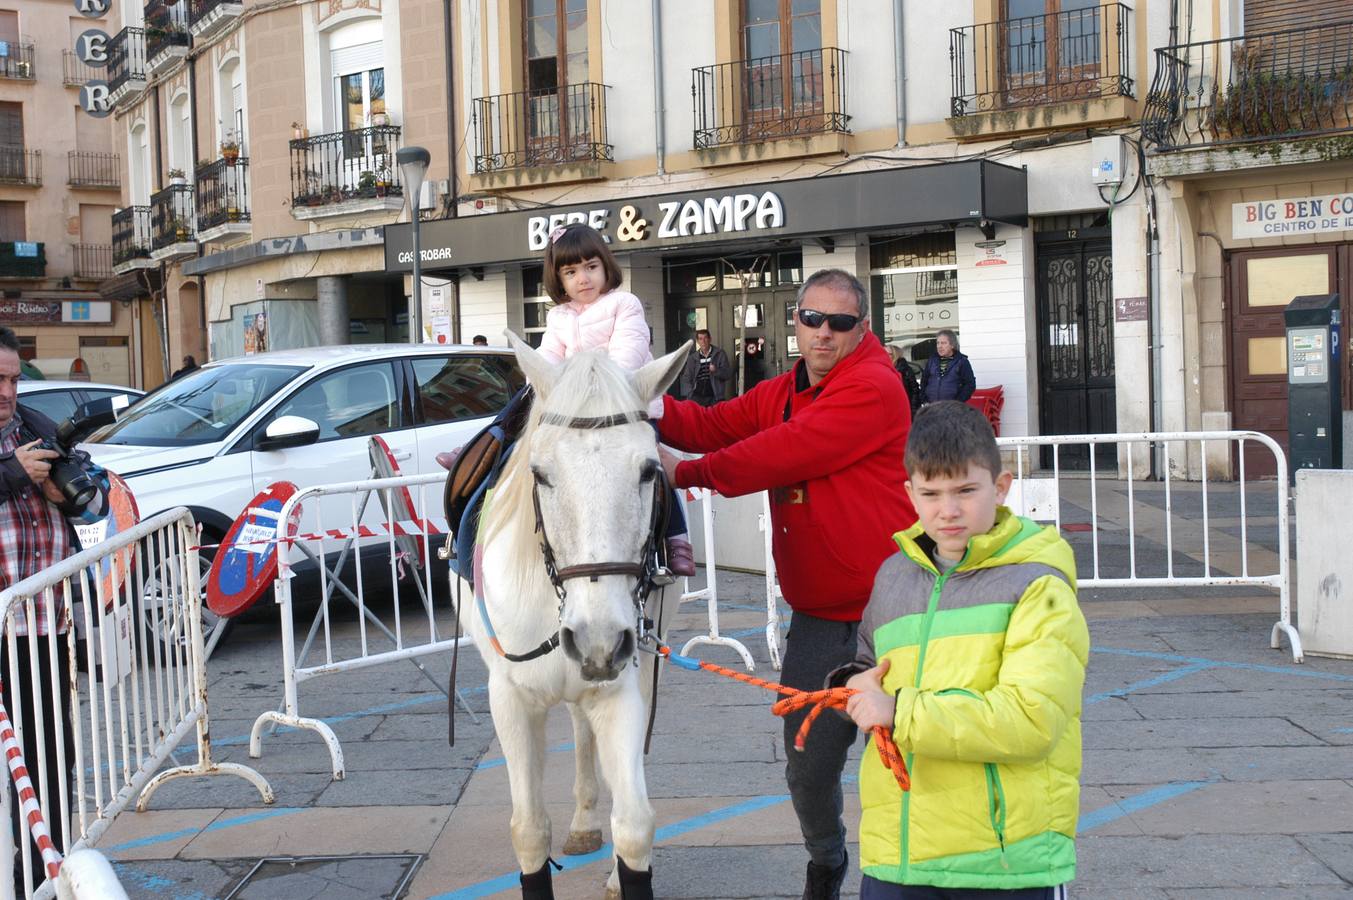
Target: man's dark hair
577,244
947,437
479,340
700,331
837,280
8,339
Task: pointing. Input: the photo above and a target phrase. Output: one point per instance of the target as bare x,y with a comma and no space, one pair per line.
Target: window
55,405
230,87
357,66
915,279
556,58
353,402
12,221
1049,42
535,304
782,47
139,168
180,134
464,387
12,161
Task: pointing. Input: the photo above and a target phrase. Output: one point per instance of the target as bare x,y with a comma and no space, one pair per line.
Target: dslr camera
68,472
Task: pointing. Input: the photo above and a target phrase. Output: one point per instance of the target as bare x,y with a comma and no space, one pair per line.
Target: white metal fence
137,599
353,547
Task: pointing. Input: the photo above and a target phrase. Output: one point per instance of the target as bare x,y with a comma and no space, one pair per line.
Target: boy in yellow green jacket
973,650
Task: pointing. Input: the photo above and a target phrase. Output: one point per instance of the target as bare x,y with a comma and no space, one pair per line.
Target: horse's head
596,478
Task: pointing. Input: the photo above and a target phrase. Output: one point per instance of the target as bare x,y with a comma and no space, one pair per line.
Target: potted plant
379,120
179,228
366,183
382,182
232,213
299,132
230,146
176,176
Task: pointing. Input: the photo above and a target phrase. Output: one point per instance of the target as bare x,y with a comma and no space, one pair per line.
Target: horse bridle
645,573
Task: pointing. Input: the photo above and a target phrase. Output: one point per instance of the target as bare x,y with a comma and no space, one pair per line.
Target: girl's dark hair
578,243
947,437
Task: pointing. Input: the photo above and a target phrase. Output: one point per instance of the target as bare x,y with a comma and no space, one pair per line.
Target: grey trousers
813,648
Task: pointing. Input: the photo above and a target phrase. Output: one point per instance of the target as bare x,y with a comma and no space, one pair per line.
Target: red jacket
834,470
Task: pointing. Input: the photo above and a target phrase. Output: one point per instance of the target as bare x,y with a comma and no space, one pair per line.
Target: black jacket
957,383
720,372
13,478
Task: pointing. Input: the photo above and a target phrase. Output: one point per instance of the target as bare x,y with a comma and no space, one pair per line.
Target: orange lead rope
795,700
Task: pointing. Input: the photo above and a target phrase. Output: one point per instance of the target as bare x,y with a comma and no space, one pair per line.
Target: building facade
59,183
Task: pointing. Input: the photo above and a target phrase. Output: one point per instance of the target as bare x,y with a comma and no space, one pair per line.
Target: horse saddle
473,472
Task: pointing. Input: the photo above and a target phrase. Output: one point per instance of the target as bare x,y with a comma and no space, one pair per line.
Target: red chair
989,402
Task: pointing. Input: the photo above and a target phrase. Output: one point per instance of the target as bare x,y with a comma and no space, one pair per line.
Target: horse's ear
539,370
657,376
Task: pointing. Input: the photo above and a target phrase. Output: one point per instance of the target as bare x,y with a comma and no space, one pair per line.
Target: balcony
131,240
126,65
564,129
207,17
93,262
20,166
167,36
75,72
93,170
223,201
1244,93
345,172
1061,70
22,259
171,223
16,62
771,98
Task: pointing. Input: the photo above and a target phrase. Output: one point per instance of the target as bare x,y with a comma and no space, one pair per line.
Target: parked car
58,399
214,438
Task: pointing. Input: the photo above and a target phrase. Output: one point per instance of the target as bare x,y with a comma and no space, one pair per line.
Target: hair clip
557,234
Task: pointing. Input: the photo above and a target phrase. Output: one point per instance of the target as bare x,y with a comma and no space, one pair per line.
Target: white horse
566,562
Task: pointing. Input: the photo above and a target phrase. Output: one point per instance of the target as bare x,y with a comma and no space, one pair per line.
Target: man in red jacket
826,439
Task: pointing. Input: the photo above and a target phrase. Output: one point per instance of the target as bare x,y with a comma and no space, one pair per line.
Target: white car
57,400
214,438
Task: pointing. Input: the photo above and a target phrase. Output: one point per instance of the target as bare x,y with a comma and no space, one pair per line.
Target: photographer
36,532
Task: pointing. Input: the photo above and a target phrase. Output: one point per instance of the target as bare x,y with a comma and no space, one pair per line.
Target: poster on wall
256,333
991,253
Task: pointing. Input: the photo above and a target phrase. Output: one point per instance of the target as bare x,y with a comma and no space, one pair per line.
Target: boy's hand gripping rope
795,700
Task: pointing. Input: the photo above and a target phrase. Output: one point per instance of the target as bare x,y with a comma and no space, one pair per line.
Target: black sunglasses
836,321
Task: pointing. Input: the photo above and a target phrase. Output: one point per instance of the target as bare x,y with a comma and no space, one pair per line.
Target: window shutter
1276,15
359,58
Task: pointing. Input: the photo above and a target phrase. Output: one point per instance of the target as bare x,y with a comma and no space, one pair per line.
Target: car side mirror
287,431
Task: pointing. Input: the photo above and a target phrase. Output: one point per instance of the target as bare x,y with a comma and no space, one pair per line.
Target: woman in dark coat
947,374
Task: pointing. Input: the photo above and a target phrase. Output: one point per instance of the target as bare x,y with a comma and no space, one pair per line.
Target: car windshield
202,407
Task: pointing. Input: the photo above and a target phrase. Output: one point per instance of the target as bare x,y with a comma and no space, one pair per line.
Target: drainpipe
660,110
1158,461
453,192
900,71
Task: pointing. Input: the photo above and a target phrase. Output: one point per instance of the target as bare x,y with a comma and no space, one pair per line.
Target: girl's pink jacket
614,323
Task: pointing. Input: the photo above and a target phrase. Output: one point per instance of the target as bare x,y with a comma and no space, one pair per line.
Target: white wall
926,25
687,43
484,306
627,69
865,31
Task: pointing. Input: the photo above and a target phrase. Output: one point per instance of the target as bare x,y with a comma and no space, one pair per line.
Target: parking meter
1314,409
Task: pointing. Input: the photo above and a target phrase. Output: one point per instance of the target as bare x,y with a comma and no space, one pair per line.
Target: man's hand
35,461
669,462
871,706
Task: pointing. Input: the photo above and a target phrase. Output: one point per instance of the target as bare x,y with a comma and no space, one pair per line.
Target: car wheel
155,613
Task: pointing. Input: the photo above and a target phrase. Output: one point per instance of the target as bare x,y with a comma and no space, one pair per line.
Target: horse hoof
580,842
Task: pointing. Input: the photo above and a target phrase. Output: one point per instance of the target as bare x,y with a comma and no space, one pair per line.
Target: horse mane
590,384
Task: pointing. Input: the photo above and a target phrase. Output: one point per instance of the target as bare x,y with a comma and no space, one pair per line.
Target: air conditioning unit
428,196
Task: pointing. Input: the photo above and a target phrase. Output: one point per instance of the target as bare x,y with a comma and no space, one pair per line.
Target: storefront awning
130,285
956,193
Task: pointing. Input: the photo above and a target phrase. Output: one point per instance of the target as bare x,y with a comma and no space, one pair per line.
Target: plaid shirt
33,535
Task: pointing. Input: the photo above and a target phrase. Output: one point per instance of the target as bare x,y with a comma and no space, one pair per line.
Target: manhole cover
328,877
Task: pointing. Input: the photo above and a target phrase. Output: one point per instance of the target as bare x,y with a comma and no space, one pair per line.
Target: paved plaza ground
1214,767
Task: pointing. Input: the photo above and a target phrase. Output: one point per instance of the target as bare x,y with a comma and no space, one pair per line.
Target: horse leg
619,725
584,833
520,725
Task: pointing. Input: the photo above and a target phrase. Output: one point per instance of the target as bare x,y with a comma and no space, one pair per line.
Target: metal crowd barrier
710,592
1115,507
337,526
143,691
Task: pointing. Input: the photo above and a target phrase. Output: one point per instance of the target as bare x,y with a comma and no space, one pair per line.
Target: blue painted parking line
1295,670
130,876
1137,802
1146,683
234,822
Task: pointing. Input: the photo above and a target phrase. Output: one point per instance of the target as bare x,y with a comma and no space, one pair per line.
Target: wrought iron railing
346,165
126,57
222,192
166,26
75,71
93,169
750,100
131,234
93,260
171,216
17,61
22,259
541,128
1278,84
20,166
1078,54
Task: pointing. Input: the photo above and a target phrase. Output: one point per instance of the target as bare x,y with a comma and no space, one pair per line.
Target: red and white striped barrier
402,528
29,808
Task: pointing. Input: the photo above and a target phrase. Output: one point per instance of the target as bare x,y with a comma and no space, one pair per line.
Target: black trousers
874,889
47,682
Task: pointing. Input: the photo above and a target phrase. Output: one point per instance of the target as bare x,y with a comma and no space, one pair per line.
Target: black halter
645,572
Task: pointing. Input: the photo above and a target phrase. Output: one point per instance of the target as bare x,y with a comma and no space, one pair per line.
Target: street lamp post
413,167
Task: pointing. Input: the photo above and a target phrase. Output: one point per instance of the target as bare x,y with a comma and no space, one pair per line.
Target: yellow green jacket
988,663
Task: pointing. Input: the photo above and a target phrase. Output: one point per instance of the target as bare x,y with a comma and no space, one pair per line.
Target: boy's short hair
948,436
578,243
9,340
